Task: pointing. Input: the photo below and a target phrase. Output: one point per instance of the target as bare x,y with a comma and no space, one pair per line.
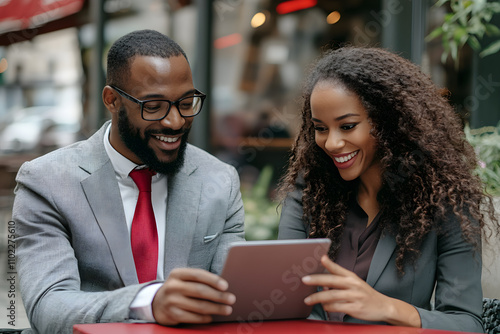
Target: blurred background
250,57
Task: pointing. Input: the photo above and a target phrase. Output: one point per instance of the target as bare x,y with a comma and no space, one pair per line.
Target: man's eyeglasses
156,110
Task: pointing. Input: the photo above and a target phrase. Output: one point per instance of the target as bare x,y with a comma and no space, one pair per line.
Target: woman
382,168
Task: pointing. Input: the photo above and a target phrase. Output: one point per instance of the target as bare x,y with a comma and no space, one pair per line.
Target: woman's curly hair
427,164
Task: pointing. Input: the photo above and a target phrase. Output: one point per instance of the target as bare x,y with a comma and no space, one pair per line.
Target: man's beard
139,146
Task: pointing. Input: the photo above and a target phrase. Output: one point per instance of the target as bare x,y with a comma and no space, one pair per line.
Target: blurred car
20,114
38,129
59,135
23,135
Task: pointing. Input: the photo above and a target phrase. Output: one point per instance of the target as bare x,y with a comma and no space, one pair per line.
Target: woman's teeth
346,158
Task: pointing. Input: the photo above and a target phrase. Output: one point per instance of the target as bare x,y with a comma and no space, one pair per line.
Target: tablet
265,276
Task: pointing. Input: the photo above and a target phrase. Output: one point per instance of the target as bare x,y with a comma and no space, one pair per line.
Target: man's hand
191,295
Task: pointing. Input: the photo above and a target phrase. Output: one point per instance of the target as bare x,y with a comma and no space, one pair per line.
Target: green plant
468,22
261,215
486,142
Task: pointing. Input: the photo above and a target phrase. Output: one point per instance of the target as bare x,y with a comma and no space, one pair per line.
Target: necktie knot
142,178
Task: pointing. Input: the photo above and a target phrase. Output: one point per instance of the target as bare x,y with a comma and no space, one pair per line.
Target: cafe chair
491,315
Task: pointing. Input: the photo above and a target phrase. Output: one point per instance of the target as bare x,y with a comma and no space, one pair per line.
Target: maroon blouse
357,245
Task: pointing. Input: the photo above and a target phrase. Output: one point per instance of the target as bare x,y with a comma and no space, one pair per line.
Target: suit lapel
184,191
103,195
383,252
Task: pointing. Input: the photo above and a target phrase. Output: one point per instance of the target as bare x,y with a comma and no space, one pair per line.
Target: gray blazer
446,263
74,256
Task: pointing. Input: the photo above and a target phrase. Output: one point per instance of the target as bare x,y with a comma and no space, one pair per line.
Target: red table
266,327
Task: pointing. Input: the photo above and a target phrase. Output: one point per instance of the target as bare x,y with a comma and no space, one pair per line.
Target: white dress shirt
141,306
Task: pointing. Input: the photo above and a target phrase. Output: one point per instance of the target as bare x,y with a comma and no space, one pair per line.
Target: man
93,244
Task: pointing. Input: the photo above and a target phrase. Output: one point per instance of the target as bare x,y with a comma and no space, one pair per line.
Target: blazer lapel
184,191
103,195
385,248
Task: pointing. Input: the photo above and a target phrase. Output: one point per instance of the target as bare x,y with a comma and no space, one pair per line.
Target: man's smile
167,139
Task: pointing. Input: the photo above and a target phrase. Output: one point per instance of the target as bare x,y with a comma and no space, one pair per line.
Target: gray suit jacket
447,263
74,256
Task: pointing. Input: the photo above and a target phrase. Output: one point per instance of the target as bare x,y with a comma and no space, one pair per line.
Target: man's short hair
138,43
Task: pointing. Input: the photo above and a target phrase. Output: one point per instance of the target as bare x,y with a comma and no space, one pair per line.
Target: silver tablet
266,277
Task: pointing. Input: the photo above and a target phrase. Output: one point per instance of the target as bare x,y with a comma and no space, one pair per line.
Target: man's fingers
201,276
175,315
175,308
206,307
191,296
198,291
184,309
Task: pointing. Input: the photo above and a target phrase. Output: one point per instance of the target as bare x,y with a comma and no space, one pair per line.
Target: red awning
24,19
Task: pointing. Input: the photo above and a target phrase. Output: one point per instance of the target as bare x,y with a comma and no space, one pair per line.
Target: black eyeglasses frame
171,103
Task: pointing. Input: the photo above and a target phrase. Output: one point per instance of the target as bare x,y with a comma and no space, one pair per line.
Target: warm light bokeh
333,17
258,20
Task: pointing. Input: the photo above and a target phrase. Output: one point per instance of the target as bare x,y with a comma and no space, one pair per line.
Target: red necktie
143,235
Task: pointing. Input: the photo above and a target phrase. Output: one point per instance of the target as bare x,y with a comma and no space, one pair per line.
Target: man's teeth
167,139
346,158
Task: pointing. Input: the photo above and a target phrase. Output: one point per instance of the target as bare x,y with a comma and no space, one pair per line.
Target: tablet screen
265,277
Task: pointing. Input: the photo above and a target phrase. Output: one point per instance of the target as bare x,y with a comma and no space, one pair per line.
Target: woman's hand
343,291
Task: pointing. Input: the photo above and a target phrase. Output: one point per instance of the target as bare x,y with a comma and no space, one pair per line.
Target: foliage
468,22
486,142
261,213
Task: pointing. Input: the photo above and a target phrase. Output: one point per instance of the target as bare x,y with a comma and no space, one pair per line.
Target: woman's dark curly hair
427,164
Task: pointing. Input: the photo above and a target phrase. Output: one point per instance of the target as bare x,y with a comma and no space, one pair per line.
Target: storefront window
261,56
